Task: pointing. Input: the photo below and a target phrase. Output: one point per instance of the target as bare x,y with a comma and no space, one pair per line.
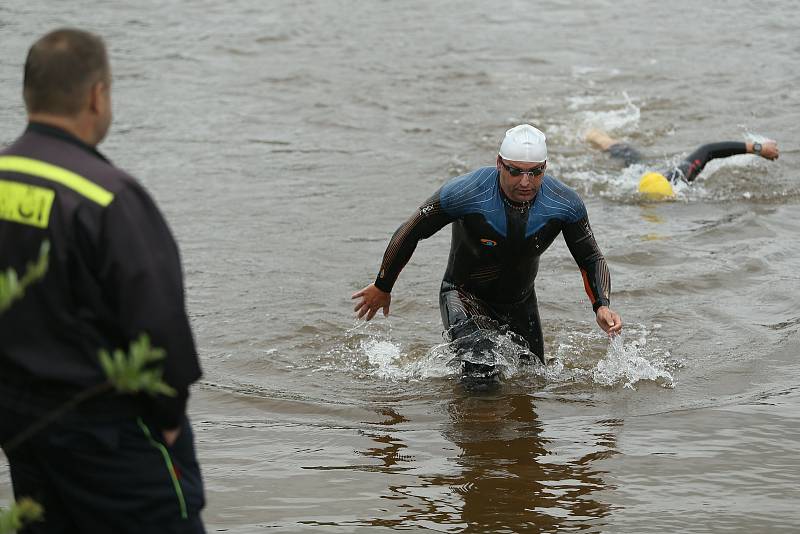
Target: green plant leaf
13,288
132,372
24,511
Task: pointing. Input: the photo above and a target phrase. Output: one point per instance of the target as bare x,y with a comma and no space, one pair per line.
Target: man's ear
96,97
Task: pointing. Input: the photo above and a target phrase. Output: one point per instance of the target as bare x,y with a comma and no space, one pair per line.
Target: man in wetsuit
115,463
658,186
504,217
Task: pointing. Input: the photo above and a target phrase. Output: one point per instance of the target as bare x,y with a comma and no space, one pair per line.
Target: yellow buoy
654,186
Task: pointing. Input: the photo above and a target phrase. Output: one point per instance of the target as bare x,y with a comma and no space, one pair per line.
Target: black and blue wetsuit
494,252
691,166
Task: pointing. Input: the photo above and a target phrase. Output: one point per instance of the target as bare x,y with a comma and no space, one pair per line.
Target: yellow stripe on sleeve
76,182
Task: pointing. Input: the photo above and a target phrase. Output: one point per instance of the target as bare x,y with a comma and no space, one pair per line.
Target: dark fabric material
24,394
694,163
114,273
464,314
594,269
104,476
625,152
53,131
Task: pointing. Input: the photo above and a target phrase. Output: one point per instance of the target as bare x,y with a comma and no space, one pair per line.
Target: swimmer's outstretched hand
372,299
769,149
609,320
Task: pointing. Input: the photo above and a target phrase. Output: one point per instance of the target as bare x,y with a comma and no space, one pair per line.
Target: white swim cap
524,143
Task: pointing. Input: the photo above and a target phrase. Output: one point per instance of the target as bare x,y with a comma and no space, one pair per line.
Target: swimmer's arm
594,269
697,160
426,221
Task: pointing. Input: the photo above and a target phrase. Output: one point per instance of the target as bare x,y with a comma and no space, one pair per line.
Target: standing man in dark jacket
116,463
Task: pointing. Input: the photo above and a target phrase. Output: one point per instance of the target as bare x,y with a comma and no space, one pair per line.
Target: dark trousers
464,315
110,475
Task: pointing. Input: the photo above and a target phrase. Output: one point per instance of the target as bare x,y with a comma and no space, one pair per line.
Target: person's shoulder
79,170
105,173
560,200
557,186
479,178
472,187
126,191
122,185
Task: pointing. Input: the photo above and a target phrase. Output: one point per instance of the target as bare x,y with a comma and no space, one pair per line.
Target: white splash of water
441,361
384,357
626,364
582,101
370,352
438,362
624,118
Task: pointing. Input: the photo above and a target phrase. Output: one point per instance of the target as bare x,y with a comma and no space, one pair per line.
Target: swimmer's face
524,186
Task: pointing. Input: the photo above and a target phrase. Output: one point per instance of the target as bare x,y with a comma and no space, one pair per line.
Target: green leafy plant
25,511
132,373
12,287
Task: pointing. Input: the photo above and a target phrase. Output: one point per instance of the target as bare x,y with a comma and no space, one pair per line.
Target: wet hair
60,69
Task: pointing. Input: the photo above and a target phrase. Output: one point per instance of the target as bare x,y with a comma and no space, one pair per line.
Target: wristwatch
757,148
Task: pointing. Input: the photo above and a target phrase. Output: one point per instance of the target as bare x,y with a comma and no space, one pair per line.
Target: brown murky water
285,141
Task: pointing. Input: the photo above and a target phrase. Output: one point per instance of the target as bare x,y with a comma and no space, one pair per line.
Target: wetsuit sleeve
625,152
694,162
596,278
426,221
141,276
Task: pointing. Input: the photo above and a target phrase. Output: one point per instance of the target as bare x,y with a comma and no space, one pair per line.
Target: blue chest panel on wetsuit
479,193
554,201
476,193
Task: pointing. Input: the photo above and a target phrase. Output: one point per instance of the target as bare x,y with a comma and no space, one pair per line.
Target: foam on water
369,351
384,356
624,363
625,118
386,360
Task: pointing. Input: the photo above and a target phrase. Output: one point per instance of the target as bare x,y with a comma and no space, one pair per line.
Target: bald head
60,70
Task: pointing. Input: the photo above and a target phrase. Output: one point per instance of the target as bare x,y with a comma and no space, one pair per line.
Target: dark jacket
114,271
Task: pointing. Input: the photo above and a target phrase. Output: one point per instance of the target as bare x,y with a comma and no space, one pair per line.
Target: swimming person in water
504,217
658,186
